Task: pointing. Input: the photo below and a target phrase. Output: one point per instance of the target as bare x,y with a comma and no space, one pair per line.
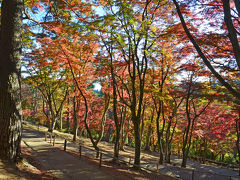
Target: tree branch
204,58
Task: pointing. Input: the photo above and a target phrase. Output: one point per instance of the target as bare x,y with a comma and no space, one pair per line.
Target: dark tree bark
142,123
149,132
115,105
122,133
10,91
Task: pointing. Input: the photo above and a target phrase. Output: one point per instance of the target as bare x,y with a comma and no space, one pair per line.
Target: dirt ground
28,168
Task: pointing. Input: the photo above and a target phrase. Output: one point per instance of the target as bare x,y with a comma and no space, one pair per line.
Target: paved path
59,163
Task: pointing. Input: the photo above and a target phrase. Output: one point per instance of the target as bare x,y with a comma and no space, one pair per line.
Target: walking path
59,163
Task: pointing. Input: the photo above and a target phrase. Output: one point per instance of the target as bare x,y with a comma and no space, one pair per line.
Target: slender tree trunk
160,132
68,115
142,124
115,105
161,136
126,133
61,119
186,141
55,122
167,143
10,91
45,112
184,158
137,144
149,132
190,122
106,103
122,135
35,102
75,124
52,117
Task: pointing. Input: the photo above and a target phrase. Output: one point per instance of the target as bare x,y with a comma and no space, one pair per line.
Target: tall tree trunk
115,116
184,158
137,144
75,124
122,134
160,132
68,115
54,123
142,124
103,121
167,143
149,132
126,133
46,111
61,118
10,91
161,137
35,100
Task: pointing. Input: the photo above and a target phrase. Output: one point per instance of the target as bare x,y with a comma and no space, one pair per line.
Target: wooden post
54,139
65,145
157,167
192,174
38,127
100,160
45,136
50,138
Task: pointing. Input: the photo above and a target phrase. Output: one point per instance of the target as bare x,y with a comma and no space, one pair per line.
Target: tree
232,32
134,33
196,102
10,98
49,78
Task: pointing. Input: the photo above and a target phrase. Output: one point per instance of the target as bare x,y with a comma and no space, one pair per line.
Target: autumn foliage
155,92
